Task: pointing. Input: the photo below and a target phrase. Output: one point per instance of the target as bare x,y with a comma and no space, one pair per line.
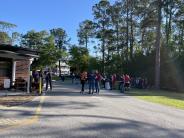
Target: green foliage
44,43
4,34
79,59
4,38
85,32
16,38
94,64
6,26
60,37
129,33
34,40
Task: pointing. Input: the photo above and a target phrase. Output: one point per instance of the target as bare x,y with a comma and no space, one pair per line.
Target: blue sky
47,14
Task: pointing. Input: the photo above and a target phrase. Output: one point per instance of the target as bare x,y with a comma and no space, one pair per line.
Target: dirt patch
15,100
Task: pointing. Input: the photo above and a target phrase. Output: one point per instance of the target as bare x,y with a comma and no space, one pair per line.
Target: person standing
113,81
83,78
127,81
97,81
122,84
35,75
91,81
48,79
103,80
73,78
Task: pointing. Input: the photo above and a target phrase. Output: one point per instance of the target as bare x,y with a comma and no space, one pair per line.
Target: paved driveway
66,113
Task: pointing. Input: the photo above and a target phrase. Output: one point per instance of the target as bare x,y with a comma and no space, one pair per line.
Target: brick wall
22,69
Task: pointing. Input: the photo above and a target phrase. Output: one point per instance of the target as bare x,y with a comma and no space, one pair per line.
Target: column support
13,71
29,70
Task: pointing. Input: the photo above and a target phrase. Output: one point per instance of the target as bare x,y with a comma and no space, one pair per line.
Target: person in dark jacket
48,79
91,81
97,81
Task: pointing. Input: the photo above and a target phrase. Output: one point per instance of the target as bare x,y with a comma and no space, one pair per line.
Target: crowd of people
95,80
38,78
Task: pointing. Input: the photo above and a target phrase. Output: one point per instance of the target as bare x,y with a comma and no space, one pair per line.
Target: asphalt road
65,113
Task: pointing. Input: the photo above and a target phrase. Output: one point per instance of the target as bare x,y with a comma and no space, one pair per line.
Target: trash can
107,85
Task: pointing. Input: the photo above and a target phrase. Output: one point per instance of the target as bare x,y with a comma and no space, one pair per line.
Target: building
65,69
15,64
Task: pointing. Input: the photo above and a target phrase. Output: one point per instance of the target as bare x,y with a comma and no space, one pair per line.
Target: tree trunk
117,37
59,67
86,42
103,48
168,23
157,45
132,37
127,31
182,35
166,27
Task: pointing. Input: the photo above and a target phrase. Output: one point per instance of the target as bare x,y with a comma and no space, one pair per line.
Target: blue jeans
122,87
97,86
91,86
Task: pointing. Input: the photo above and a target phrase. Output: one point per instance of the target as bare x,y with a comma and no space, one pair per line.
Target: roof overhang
17,53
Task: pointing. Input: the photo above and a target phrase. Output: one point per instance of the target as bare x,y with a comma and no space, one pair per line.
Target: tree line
140,37
144,38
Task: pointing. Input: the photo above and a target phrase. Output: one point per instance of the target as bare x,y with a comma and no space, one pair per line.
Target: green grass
174,99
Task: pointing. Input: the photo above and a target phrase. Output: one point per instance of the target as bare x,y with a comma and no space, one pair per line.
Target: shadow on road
105,126
132,92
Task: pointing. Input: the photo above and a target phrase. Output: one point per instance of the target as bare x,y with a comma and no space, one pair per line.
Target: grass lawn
174,99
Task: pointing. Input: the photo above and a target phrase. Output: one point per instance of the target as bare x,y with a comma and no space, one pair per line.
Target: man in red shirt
127,81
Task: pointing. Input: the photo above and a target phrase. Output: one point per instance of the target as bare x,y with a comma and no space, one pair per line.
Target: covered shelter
15,63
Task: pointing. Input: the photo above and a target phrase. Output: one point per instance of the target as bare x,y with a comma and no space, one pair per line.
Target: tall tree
116,20
49,54
34,40
85,32
127,28
79,58
102,20
42,42
4,28
157,44
6,25
179,27
4,38
61,40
